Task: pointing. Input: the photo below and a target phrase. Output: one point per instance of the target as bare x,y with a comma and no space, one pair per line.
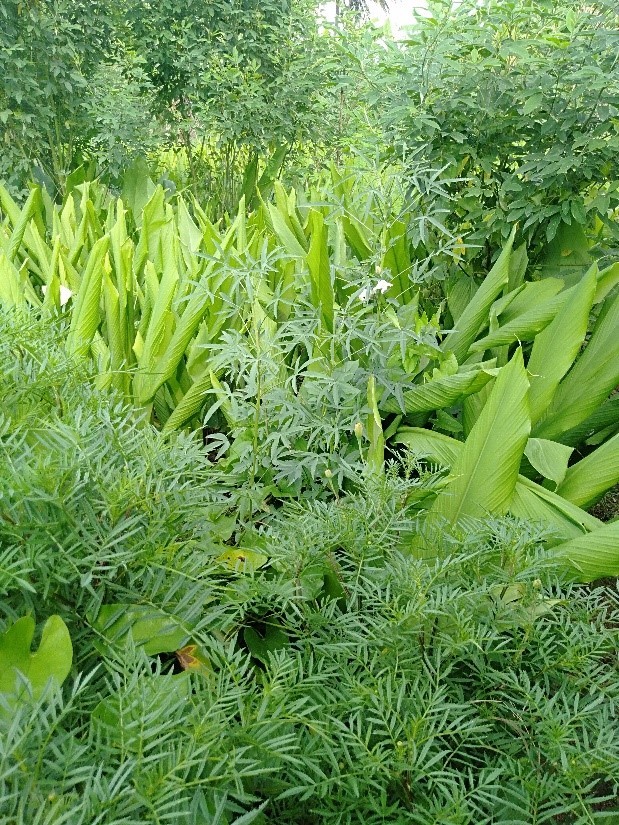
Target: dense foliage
333,678
309,433
517,103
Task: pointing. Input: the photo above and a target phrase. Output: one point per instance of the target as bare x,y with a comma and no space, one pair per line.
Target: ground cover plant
337,677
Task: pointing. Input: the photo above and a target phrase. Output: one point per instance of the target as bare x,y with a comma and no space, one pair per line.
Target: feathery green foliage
341,680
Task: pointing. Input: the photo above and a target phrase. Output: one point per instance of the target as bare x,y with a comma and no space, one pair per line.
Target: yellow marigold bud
328,473
358,429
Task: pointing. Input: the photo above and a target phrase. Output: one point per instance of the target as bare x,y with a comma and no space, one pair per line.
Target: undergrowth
339,678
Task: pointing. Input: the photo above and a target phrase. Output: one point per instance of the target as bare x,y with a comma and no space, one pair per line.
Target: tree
518,101
233,80
48,52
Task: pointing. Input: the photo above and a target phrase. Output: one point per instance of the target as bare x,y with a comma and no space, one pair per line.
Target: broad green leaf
286,235
267,179
589,382
537,504
530,501
397,258
190,235
9,206
500,307
138,189
155,217
442,392
167,351
320,270
529,295
517,267
52,291
436,447
86,311
356,237
79,240
523,327
37,250
30,207
549,458
67,224
475,316
472,406
606,281
556,347
607,415
11,289
567,255
594,555
376,449
51,661
590,478
460,291
287,208
485,473
189,405
148,627
242,559
149,377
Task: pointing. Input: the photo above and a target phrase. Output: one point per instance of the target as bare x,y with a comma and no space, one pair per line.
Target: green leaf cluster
516,103
529,423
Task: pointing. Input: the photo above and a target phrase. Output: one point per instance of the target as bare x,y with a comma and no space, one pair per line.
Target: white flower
382,286
65,293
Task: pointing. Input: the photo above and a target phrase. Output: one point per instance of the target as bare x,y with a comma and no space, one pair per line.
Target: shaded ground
608,508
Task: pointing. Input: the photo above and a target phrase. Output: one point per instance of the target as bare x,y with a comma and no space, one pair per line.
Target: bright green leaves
320,270
590,381
51,662
150,629
31,207
549,458
86,313
556,347
11,286
593,555
587,480
561,518
484,475
397,259
443,392
475,315
242,559
376,449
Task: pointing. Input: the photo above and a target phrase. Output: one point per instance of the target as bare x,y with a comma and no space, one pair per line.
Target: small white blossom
65,293
382,286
